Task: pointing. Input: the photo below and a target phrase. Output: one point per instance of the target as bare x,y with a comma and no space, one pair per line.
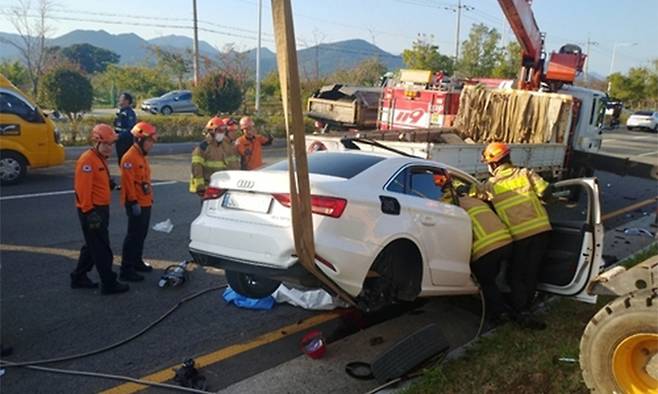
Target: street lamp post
614,54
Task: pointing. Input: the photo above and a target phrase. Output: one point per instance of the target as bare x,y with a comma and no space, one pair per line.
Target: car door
185,102
575,252
442,229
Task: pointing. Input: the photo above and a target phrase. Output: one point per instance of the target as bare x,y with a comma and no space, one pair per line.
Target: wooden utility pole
300,191
195,46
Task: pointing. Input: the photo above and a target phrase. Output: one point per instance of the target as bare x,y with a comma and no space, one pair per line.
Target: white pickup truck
582,134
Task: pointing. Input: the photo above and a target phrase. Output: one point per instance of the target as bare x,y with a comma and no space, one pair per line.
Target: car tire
622,330
13,167
629,128
252,286
166,110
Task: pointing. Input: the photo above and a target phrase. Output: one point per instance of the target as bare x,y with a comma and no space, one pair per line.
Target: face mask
219,137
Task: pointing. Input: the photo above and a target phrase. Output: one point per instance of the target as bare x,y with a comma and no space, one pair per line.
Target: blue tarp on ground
230,296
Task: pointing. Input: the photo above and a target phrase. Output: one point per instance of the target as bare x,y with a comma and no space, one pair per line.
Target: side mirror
176,98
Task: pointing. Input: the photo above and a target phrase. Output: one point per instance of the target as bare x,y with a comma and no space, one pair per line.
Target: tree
69,92
638,89
423,55
509,62
33,34
217,93
15,72
172,63
91,59
366,73
480,52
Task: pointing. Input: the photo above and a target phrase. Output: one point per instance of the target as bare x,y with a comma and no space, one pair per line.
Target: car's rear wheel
13,167
166,110
250,285
630,128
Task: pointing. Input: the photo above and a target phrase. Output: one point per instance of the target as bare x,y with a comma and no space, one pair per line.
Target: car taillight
321,205
213,193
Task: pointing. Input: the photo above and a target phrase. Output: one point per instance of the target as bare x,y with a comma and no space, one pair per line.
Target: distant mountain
133,49
182,43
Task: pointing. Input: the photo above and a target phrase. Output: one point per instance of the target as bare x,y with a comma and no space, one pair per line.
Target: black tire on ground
166,110
13,167
252,286
630,128
625,316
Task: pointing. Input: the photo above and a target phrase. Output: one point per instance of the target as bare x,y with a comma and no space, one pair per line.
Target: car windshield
344,165
168,95
644,113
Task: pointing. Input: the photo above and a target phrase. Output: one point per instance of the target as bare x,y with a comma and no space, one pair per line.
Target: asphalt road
639,146
42,317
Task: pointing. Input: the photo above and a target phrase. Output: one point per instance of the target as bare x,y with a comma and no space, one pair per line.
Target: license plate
247,201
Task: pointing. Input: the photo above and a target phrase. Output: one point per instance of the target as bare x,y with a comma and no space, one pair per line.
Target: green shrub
217,93
67,91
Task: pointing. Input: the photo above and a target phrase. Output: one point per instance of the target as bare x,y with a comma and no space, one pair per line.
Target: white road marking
47,194
648,154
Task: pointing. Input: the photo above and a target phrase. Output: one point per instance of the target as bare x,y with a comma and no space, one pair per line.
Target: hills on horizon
133,50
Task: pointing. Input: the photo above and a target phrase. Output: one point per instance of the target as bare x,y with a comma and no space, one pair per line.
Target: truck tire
619,348
252,286
13,167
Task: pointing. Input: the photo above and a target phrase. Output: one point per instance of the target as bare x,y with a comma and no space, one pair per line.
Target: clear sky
390,24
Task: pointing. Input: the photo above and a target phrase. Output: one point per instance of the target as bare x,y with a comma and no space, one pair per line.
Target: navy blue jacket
123,124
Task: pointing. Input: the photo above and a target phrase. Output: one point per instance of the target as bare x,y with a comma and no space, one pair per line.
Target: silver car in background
174,101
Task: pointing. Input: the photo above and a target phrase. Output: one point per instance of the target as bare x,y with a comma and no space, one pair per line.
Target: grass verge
511,360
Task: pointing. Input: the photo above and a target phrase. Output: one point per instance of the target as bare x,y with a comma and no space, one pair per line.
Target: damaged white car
381,232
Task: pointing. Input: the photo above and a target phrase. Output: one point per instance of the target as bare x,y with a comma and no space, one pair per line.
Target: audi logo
245,184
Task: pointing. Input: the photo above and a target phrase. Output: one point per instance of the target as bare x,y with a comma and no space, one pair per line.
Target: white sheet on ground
317,299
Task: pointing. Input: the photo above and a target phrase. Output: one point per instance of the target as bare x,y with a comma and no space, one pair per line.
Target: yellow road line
629,208
227,352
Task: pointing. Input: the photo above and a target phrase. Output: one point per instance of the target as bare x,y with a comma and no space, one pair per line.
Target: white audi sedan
381,232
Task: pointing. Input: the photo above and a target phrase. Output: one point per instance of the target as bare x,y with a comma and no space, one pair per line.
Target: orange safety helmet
495,152
215,123
442,179
245,122
103,133
144,130
231,124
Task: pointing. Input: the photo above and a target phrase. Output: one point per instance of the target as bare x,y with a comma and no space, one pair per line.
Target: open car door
575,253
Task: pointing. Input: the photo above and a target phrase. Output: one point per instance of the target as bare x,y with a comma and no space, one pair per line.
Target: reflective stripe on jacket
489,233
209,157
515,194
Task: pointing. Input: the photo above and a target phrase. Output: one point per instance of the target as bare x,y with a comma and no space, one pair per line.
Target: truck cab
591,104
28,138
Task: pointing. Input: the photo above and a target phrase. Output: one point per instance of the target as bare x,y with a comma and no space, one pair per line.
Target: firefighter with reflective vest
137,198
92,195
491,245
250,144
216,153
516,195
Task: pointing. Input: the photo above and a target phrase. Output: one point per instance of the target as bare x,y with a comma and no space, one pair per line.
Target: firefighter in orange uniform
92,195
250,144
137,197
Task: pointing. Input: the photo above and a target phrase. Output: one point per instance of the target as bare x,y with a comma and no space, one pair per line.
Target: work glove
94,220
200,191
135,209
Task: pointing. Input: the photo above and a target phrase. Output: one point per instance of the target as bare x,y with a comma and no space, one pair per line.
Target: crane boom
563,66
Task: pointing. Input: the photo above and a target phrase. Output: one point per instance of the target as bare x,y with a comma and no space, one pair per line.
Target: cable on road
33,364
114,377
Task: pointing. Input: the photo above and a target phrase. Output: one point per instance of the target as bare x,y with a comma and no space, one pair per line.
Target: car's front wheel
250,285
13,167
166,110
